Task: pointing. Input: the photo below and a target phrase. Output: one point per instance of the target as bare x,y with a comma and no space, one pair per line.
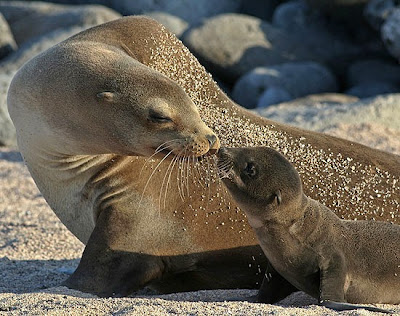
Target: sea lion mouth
224,164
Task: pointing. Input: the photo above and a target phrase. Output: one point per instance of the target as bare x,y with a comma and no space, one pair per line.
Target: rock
172,23
297,79
339,8
382,110
7,42
328,40
294,14
349,15
29,20
373,70
7,130
377,11
192,11
273,95
230,45
260,9
390,33
371,89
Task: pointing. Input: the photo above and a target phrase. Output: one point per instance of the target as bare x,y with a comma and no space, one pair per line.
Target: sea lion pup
337,261
82,114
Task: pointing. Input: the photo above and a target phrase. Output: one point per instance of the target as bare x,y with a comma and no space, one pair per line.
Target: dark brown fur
334,260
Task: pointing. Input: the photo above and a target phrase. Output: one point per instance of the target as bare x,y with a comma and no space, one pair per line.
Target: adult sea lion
78,107
337,261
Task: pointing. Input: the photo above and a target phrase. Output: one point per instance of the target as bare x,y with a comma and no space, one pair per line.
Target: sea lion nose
211,140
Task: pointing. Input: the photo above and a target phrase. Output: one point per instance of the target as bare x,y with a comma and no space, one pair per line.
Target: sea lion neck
307,221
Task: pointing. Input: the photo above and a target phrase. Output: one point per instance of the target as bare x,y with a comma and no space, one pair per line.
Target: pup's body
334,260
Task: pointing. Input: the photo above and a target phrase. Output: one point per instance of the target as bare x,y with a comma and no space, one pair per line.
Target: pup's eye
250,169
158,117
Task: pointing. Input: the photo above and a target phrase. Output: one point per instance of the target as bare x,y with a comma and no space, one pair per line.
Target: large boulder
260,9
230,45
327,39
373,70
192,11
377,11
390,32
29,20
297,79
371,89
7,42
339,8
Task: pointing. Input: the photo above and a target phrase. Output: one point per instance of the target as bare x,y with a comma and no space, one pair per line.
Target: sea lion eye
158,117
250,169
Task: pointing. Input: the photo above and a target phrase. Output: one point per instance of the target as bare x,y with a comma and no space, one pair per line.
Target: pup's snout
224,153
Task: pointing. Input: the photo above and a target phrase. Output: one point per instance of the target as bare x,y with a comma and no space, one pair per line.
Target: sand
37,251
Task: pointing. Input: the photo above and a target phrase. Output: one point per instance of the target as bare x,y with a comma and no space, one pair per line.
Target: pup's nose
211,140
222,152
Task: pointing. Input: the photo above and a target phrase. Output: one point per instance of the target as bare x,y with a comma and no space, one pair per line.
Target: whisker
157,151
169,178
151,175
179,169
187,175
162,185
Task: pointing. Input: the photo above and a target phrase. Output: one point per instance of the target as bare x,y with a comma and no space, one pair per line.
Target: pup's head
260,179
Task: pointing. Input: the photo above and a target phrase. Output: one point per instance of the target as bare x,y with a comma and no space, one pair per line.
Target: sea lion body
81,110
331,259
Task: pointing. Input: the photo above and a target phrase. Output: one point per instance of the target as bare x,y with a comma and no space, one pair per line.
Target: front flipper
274,287
332,280
105,271
339,306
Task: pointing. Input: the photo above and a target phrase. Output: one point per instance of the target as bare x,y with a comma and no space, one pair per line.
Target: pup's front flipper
339,306
274,287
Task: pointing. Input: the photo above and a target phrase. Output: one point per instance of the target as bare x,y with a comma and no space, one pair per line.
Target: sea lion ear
107,96
278,197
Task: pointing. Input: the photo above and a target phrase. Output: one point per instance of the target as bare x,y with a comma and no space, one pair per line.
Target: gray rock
7,130
390,33
172,23
339,8
7,42
260,9
371,89
298,79
230,45
192,11
273,95
327,39
294,14
29,20
373,70
377,11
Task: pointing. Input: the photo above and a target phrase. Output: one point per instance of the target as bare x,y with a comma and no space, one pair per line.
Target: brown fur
80,159
331,259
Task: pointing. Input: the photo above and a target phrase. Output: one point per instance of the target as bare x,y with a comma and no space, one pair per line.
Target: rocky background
315,53
325,65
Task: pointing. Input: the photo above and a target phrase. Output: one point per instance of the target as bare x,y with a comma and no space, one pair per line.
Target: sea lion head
97,99
262,181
